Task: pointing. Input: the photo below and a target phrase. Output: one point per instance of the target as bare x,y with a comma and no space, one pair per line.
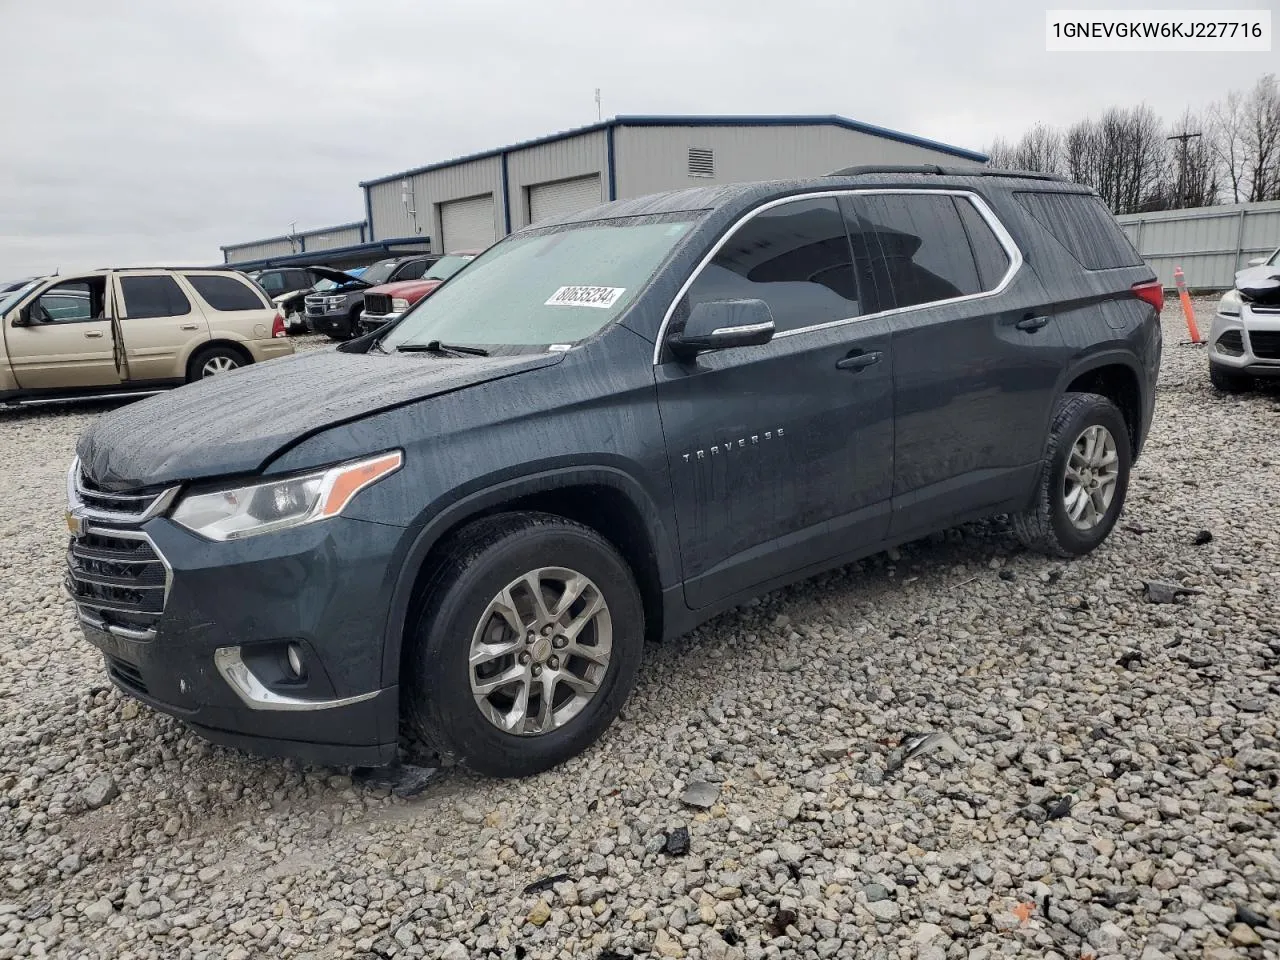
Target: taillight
1152,291
277,326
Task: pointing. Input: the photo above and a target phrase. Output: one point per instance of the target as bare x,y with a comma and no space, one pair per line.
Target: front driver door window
66,342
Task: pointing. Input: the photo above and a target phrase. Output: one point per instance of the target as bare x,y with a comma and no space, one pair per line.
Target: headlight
1229,305
399,305
247,511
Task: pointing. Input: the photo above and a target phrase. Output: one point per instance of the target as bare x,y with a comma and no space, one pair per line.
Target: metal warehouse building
472,201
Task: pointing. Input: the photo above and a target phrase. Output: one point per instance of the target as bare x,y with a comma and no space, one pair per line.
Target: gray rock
101,790
700,794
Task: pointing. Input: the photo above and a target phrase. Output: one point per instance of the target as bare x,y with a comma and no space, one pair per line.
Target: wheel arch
606,499
1117,376
194,353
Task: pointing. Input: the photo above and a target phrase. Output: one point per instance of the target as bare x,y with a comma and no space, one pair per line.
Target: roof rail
220,266
940,171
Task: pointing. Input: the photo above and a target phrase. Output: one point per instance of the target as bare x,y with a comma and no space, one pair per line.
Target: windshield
378,273
557,286
7,300
446,267
1275,259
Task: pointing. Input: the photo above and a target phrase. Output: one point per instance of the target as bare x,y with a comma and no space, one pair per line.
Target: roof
740,196
797,120
301,233
311,257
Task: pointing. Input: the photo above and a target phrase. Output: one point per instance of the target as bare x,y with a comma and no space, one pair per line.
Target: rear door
780,455
976,355
160,323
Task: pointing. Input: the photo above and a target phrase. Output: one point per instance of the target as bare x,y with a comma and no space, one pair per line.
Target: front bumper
1249,343
232,608
370,322
330,322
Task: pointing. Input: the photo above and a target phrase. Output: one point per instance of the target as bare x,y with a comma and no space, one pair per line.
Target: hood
409,289
338,277
1260,283
237,422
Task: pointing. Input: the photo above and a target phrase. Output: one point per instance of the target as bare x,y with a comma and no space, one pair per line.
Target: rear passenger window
992,260
153,297
412,271
1084,226
923,243
795,257
226,293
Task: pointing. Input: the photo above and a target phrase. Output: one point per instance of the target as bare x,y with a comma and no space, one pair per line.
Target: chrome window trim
987,214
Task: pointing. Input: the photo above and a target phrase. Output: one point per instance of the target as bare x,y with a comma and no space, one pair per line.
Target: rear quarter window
226,293
1083,226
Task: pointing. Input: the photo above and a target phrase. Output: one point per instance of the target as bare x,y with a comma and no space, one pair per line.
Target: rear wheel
212,361
1083,481
528,643
1228,381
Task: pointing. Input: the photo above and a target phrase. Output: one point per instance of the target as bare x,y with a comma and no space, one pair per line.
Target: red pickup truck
385,303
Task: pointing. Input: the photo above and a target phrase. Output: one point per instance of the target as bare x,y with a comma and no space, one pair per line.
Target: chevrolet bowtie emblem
75,523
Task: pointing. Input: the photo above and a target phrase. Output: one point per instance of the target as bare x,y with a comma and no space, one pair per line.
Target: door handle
859,361
93,334
191,326
1032,324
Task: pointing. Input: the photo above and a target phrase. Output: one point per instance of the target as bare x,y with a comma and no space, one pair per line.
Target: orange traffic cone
1180,281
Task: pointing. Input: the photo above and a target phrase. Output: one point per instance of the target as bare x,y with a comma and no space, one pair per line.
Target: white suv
1244,341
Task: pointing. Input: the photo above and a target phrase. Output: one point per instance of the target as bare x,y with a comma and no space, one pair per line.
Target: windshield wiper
435,346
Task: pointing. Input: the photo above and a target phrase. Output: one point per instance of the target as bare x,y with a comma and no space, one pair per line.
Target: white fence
1209,243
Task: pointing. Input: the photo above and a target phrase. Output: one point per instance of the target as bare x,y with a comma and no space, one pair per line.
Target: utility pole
599,115
1182,139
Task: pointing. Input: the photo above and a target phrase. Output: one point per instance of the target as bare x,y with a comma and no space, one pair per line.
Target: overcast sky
156,130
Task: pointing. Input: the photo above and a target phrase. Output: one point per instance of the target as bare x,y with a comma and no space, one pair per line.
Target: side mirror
1257,261
721,324
23,317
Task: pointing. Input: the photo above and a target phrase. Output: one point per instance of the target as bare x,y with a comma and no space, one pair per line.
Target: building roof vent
702,162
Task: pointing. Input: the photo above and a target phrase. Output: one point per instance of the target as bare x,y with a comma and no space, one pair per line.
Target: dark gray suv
609,428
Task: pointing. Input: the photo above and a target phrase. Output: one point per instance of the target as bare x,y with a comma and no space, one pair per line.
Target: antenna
599,115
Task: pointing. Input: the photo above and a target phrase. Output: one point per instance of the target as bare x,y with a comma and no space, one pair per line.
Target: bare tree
1262,139
1000,153
1226,141
1040,148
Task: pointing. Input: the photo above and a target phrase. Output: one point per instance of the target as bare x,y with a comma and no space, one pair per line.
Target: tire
1047,526
1228,381
350,329
211,361
443,711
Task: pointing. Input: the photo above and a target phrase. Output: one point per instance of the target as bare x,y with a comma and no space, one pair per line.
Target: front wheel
528,643
1083,481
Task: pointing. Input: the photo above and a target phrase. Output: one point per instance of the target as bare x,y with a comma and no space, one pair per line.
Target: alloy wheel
1093,470
216,365
540,651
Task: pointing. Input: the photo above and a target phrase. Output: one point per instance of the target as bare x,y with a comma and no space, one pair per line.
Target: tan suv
131,332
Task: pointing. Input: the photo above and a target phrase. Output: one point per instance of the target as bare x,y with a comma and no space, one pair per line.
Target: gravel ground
1109,787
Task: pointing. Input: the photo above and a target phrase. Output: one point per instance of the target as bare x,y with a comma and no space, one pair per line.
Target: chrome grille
115,574
377,304
315,306
118,581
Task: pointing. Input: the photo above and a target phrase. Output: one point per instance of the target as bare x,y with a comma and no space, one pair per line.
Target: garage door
564,196
467,224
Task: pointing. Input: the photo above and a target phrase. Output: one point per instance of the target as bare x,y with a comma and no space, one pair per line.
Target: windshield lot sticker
602,297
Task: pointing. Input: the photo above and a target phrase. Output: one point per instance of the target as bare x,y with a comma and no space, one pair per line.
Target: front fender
427,531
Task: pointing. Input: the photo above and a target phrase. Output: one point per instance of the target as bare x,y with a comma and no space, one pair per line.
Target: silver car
1244,341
